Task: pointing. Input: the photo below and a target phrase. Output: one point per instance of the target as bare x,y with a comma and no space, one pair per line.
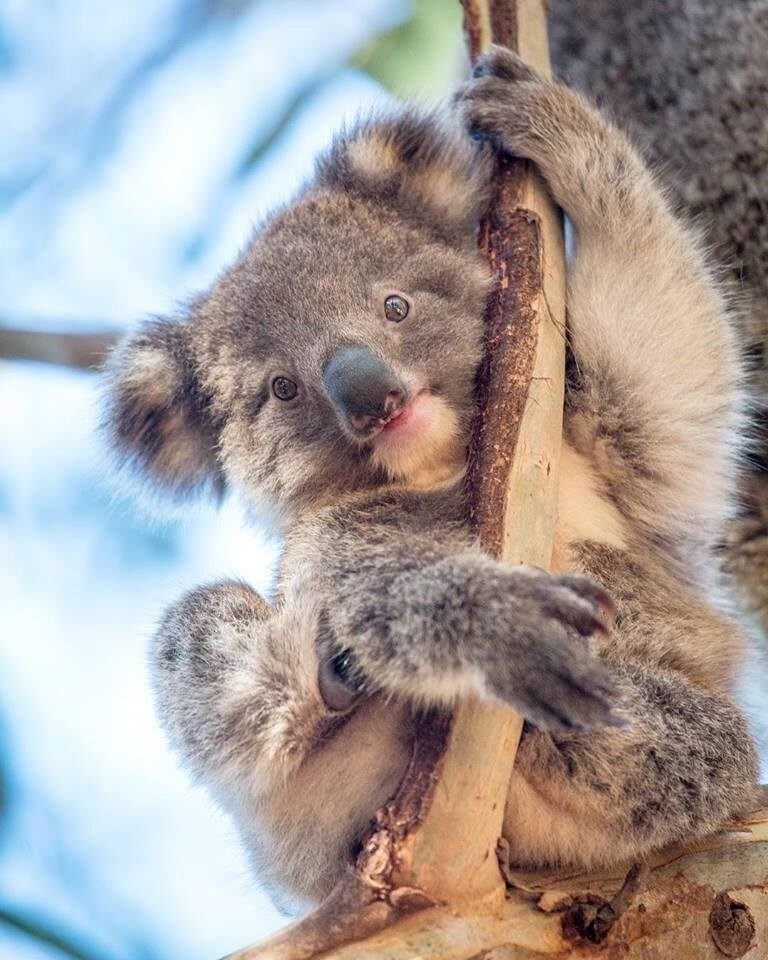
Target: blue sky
124,187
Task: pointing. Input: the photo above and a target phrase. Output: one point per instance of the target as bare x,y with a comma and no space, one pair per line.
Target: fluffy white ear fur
418,159
157,420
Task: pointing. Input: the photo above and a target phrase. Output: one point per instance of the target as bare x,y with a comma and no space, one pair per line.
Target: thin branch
83,351
41,932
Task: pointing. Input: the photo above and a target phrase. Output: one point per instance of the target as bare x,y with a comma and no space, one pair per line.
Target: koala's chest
583,512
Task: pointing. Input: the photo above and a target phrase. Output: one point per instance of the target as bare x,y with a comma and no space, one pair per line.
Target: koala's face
340,351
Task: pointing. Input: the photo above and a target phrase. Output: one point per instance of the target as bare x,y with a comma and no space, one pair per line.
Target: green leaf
421,57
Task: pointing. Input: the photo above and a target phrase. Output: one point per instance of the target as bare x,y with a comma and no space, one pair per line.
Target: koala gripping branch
435,842
427,882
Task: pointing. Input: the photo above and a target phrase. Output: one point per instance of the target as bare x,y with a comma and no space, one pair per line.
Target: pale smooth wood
532,492
453,855
669,919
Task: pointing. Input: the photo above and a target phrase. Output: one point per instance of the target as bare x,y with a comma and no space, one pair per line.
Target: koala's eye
396,308
284,389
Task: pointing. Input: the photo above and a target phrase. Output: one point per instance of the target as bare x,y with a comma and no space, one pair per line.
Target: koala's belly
582,512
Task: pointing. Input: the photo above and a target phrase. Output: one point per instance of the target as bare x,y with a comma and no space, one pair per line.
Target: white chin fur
427,457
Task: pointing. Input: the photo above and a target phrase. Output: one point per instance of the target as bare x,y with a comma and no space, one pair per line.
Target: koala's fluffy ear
422,161
156,417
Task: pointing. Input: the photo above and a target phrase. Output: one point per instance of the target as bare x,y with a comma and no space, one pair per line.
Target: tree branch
84,351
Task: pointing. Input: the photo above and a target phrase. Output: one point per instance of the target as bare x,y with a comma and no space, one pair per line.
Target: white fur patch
373,155
429,459
152,372
582,512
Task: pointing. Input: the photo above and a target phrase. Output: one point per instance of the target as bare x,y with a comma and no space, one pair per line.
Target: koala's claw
593,594
499,61
552,678
568,692
485,106
576,602
508,104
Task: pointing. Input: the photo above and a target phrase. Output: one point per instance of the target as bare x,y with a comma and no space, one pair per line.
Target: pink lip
410,422
400,418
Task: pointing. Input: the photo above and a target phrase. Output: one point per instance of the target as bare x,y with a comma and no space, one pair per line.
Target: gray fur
636,741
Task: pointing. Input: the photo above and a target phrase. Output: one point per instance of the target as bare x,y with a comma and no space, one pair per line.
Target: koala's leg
654,395
233,691
683,766
238,693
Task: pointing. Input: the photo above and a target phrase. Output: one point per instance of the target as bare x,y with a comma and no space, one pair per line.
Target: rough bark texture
511,237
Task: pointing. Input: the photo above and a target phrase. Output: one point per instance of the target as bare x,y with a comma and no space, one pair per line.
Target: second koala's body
331,370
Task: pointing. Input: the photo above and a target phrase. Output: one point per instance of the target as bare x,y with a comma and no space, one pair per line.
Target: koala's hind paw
548,672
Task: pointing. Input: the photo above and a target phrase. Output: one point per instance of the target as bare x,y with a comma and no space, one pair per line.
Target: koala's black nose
362,386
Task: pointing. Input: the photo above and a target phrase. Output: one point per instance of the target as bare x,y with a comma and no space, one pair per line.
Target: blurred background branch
85,351
43,933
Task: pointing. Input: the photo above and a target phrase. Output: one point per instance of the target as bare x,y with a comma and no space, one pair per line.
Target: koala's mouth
405,421
400,417
415,422
421,443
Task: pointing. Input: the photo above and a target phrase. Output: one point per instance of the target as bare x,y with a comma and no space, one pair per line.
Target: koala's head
339,352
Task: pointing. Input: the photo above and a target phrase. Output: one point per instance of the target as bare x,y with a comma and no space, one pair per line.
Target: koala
330,372
692,87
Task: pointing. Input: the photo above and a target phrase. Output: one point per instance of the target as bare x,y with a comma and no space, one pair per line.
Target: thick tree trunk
427,883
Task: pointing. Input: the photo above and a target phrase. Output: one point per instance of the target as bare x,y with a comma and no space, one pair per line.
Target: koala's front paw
507,103
547,670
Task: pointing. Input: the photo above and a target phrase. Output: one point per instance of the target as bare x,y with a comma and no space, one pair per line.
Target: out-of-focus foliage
421,57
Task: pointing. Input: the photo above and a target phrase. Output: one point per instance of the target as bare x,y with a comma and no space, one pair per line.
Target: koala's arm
653,403
655,388
416,610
